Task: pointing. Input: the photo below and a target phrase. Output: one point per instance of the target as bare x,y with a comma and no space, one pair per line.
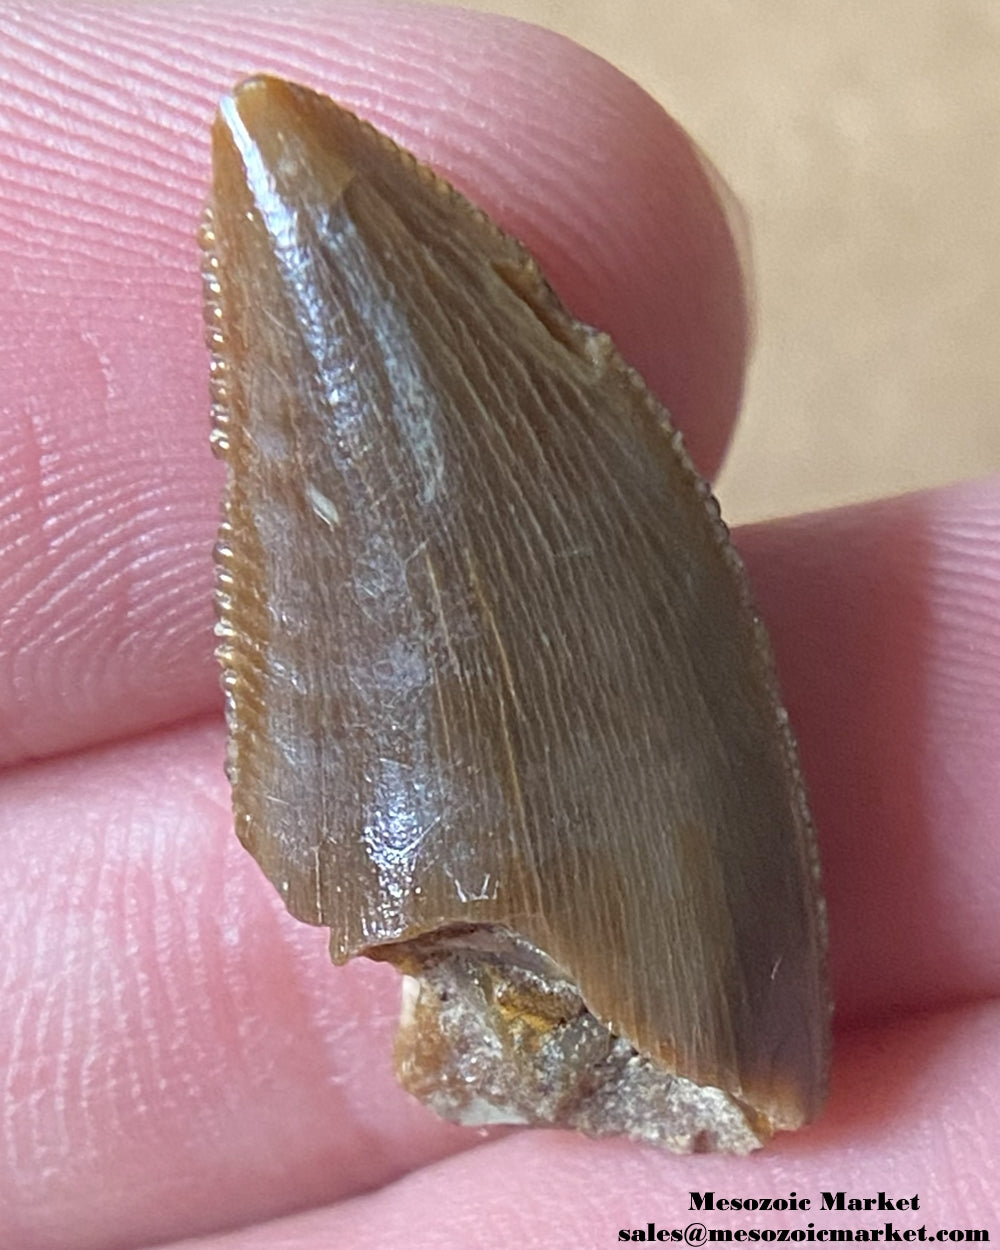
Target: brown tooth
501,710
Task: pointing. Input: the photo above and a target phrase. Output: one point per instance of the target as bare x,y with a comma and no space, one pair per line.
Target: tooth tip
249,107
256,90
282,139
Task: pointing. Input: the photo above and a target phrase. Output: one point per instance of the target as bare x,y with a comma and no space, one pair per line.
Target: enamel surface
495,684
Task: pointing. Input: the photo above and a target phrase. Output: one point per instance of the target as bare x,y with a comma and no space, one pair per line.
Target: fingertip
883,621
111,108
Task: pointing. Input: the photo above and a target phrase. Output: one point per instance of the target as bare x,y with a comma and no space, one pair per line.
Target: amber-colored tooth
501,709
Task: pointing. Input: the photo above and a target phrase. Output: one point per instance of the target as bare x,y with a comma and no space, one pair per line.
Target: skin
178,1057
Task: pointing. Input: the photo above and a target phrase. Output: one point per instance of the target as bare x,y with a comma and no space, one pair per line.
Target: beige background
864,140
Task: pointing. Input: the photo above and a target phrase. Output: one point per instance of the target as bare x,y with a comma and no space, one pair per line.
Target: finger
177,1053
884,620
914,1113
112,496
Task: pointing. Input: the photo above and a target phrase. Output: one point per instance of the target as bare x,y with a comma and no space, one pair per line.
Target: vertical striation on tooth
501,710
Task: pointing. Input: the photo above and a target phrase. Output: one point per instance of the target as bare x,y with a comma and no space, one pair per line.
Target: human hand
178,1054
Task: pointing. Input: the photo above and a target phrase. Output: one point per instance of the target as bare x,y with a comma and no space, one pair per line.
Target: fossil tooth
500,708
